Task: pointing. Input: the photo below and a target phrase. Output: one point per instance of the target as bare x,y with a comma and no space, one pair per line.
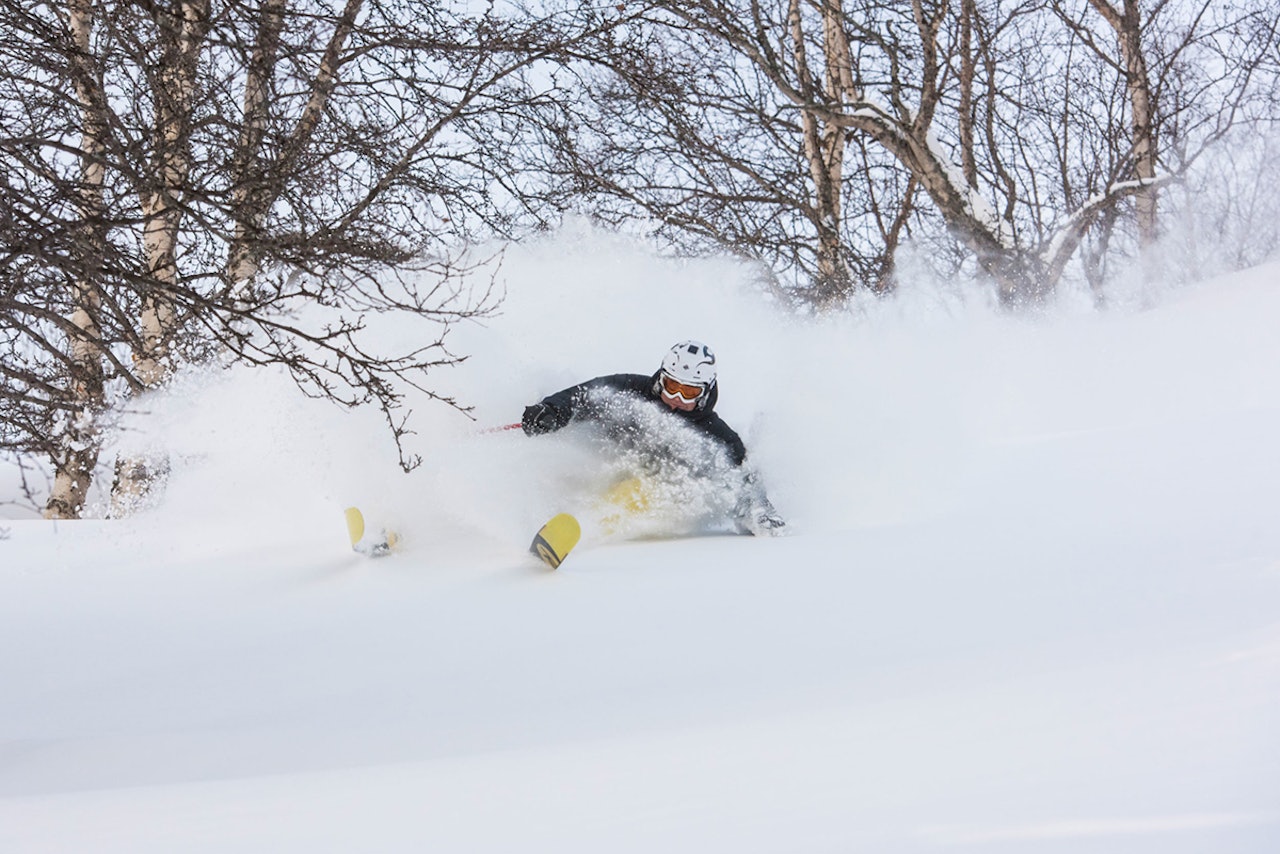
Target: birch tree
689,120
1127,22
76,454
272,174
976,108
824,141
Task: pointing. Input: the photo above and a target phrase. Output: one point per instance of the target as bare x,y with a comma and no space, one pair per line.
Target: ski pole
499,429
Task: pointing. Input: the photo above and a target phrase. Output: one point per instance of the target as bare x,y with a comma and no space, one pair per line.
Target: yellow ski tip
355,524
383,543
556,539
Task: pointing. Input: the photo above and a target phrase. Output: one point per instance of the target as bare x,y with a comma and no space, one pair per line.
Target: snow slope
1031,603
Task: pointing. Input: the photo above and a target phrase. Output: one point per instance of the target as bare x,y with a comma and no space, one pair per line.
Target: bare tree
690,119
975,106
263,177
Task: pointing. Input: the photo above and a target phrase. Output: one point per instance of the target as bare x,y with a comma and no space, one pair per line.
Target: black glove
541,418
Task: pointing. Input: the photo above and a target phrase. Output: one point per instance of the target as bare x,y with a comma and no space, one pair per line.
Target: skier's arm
713,425
557,410
553,411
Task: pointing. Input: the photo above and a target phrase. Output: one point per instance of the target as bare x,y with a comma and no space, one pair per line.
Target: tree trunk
1127,24
78,447
824,143
257,177
250,188
968,72
181,30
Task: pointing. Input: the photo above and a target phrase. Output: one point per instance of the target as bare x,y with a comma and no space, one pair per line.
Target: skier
646,412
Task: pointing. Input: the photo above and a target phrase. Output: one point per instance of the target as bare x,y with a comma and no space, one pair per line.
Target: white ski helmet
687,376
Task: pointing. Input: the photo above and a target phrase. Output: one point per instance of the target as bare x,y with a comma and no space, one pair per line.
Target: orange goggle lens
674,387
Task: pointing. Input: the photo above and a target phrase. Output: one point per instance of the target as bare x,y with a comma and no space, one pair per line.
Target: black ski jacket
582,401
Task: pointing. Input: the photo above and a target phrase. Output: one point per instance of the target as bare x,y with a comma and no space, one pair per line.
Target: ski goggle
675,388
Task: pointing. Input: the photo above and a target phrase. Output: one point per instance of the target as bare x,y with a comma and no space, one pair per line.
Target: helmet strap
705,397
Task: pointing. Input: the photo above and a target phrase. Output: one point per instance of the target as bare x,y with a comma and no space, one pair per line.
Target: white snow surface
1030,603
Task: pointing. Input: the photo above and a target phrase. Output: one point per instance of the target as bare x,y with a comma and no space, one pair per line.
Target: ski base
365,542
556,539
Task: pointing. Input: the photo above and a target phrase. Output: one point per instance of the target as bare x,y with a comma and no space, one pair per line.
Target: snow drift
1030,602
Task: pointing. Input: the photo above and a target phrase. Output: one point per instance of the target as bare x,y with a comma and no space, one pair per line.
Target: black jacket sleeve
577,402
713,425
